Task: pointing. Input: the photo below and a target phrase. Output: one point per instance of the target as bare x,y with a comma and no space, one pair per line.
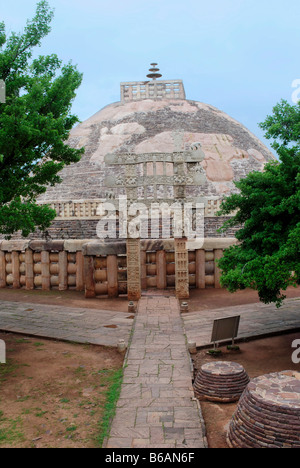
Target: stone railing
87,209
162,89
100,268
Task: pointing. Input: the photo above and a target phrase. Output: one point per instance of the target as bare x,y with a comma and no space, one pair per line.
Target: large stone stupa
152,116
153,145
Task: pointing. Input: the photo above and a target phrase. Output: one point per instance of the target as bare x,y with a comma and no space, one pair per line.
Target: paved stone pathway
157,407
101,327
106,327
256,320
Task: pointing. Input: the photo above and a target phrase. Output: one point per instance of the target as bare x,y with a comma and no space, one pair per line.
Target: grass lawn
55,394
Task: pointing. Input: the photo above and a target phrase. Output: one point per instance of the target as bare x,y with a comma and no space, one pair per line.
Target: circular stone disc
280,389
222,368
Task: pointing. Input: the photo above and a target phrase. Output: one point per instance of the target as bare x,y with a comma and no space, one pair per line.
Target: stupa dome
160,124
155,116
154,149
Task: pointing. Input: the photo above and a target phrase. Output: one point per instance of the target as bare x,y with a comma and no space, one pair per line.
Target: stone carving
133,269
88,209
181,269
137,90
182,176
196,146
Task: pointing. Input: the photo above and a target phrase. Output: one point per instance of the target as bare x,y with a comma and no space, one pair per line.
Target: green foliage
267,213
114,380
34,124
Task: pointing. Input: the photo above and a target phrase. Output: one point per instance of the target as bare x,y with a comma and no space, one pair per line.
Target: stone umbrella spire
154,72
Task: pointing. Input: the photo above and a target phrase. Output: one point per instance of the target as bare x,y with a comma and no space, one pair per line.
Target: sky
241,56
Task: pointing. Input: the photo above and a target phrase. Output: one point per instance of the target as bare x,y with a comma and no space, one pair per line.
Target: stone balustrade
100,268
88,209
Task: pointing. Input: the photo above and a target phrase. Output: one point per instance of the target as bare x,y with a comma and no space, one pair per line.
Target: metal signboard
225,329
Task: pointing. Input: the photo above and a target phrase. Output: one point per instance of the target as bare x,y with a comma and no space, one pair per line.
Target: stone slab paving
106,327
256,320
157,407
100,327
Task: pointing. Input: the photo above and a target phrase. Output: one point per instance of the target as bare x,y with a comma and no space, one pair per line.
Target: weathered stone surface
134,289
104,248
86,229
181,269
14,245
49,246
156,406
221,381
152,117
74,245
155,245
268,414
149,125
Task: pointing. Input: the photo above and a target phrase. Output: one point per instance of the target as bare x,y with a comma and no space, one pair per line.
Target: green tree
35,123
266,213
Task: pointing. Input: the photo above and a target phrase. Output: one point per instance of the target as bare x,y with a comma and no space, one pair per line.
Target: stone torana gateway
154,148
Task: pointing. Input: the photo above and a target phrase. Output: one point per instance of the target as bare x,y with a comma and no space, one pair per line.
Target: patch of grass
11,431
22,340
114,380
40,413
6,369
80,371
65,400
71,429
24,398
38,344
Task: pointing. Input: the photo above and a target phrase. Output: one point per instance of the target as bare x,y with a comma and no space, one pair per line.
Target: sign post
225,329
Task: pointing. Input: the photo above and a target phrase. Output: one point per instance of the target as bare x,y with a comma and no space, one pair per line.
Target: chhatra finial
154,71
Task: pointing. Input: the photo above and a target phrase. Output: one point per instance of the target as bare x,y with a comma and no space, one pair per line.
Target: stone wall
86,229
100,268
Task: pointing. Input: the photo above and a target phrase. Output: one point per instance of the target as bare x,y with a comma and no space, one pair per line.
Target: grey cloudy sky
238,55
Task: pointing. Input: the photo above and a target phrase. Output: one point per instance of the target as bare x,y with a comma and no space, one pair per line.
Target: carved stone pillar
63,271
29,269
181,269
2,270
80,271
15,269
200,269
89,270
112,275
134,269
161,266
45,261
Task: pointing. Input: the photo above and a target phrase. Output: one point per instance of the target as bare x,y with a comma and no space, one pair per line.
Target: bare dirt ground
217,298
199,299
68,298
258,357
52,394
